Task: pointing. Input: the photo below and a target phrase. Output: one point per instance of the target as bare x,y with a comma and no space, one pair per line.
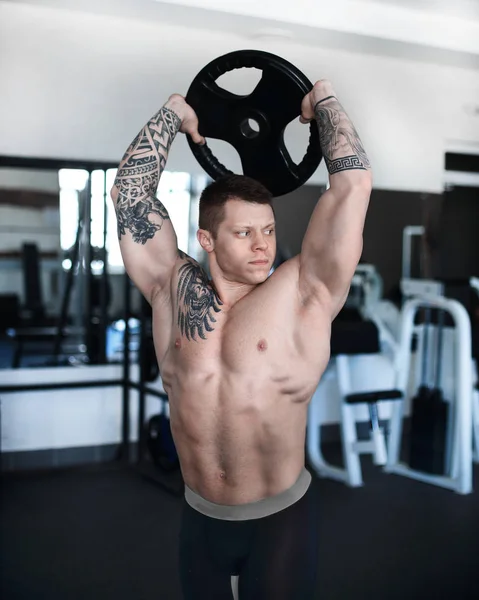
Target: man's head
237,228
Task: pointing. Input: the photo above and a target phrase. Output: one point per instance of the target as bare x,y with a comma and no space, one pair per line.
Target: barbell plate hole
250,128
296,140
240,81
254,125
226,154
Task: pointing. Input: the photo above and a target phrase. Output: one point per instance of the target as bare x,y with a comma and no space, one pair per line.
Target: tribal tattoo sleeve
197,300
342,149
137,208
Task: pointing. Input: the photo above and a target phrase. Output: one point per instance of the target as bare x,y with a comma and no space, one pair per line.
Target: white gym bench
356,339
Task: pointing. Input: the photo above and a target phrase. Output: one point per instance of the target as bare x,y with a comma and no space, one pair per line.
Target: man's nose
260,242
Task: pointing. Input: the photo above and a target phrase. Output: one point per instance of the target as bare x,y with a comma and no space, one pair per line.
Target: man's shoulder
314,298
285,279
287,269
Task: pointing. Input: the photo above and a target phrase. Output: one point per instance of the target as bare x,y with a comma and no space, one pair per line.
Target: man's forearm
137,208
342,149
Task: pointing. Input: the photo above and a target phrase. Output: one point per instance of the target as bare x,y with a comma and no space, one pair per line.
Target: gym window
174,191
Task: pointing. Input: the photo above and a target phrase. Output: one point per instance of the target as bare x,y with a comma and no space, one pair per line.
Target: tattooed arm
332,244
147,238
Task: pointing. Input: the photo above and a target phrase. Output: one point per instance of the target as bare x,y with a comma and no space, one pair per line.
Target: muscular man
241,354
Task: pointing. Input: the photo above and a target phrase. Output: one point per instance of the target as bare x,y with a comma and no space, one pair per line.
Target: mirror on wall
29,255
61,270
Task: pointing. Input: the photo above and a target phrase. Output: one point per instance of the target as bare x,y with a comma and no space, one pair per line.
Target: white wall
67,418
81,86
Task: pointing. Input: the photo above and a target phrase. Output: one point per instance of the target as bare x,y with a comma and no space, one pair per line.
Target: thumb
198,139
304,121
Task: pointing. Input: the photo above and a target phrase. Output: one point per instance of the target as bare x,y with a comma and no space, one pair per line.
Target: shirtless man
241,355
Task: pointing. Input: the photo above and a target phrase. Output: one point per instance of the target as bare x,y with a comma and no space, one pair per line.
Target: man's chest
258,341
267,329
252,363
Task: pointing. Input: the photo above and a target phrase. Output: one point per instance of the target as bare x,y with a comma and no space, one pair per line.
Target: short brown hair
229,187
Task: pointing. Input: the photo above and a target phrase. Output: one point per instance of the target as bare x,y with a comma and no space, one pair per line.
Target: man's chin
251,277
259,277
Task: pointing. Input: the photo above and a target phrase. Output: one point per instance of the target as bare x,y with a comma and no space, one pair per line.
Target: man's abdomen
236,449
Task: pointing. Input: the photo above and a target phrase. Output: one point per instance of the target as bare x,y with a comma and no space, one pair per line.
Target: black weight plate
274,103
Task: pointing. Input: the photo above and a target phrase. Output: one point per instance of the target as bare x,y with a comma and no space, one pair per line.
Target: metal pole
64,385
68,289
142,355
86,273
125,443
104,280
409,232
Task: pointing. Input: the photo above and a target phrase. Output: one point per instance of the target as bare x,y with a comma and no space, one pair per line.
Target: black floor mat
109,533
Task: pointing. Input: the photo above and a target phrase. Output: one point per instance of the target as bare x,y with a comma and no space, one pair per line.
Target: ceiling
459,8
437,31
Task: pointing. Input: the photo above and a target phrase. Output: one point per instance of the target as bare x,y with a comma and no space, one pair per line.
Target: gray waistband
253,510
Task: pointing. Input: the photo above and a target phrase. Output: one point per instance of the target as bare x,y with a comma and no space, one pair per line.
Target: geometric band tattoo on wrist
345,163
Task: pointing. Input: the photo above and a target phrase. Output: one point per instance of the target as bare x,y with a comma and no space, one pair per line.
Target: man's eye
270,231
243,233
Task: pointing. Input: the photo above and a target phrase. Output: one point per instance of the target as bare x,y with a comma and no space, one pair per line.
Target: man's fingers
307,113
304,121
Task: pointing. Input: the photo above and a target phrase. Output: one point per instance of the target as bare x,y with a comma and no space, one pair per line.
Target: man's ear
205,240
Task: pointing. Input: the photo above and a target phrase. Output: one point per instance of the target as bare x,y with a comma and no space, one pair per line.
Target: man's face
245,246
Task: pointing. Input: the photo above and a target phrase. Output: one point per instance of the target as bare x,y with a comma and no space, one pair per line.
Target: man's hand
189,120
340,144
322,89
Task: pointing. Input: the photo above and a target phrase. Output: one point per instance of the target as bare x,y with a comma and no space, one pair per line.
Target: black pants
276,557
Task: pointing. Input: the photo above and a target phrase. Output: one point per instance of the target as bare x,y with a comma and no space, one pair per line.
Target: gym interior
91,484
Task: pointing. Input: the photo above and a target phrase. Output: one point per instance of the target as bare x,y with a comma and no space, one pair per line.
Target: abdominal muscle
237,441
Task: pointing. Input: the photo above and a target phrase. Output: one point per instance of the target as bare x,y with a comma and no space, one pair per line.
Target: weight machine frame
460,479
474,283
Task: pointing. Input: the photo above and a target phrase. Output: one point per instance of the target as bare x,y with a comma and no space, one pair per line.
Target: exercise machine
458,469
474,282
358,345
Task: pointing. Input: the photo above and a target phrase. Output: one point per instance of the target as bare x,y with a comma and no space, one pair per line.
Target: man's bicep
147,239
328,293
332,245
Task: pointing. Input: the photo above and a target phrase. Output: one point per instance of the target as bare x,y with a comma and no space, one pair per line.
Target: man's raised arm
333,242
147,239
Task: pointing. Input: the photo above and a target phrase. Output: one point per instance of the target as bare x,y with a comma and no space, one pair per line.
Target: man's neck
228,291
